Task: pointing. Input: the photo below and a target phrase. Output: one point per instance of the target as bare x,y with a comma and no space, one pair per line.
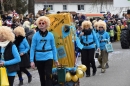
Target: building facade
79,6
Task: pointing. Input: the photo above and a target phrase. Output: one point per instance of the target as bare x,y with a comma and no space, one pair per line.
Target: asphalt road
118,74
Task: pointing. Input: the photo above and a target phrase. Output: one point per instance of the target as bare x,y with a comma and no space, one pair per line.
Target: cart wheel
77,83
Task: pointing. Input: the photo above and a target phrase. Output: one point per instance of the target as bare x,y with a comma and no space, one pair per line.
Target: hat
128,11
9,17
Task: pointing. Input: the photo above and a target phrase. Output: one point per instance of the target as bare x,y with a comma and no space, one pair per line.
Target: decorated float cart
68,72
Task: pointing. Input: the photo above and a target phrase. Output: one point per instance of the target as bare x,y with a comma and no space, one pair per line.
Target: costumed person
93,22
97,33
88,39
44,49
112,33
23,48
95,27
77,50
96,30
9,56
118,28
103,39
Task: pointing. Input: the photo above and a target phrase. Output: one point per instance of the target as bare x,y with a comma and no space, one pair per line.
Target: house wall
88,8
124,3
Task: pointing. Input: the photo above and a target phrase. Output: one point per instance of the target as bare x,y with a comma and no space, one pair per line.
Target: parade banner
63,38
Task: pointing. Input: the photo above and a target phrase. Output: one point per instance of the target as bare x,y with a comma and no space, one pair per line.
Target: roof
91,15
94,14
72,12
66,1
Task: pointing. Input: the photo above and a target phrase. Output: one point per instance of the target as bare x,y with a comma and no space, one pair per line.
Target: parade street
118,73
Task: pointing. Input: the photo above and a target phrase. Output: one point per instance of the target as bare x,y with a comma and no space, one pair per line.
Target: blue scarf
101,32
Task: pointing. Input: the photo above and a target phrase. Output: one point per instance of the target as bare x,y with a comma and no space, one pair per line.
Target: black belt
102,41
87,44
43,50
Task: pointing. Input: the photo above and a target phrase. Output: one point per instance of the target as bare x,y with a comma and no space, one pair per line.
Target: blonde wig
26,24
7,33
45,19
102,24
99,20
86,23
20,31
96,25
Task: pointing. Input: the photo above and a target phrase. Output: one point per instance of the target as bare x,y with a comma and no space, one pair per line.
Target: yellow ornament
83,67
79,68
79,73
75,78
68,77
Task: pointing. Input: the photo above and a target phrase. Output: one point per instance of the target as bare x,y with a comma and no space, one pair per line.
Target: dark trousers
87,58
11,80
115,37
45,71
112,39
22,69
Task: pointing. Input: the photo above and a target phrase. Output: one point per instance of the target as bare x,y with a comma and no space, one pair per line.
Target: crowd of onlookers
114,23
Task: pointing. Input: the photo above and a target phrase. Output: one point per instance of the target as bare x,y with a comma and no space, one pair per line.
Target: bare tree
20,5
1,6
13,4
31,6
100,3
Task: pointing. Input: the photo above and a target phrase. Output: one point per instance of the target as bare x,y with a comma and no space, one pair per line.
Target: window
49,6
64,7
80,7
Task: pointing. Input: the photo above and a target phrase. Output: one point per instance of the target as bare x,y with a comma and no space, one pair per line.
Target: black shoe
20,82
107,66
94,73
29,79
90,65
87,75
99,66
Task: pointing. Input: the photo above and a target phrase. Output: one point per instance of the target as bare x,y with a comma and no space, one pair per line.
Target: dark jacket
8,56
